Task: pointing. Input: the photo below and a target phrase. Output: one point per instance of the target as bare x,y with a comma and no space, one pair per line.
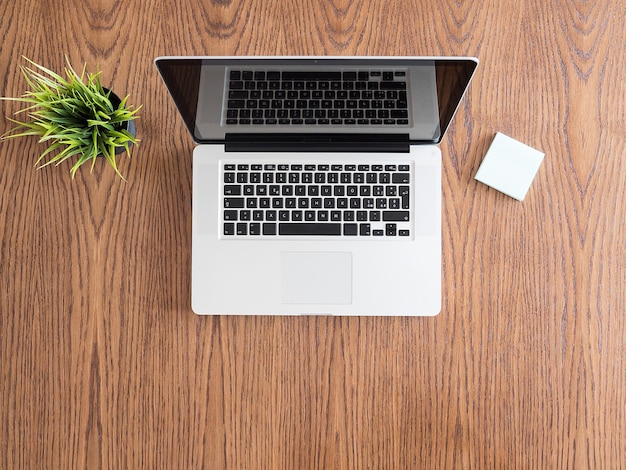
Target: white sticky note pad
509,166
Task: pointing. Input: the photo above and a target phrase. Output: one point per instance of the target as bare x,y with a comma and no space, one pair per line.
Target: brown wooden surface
103,364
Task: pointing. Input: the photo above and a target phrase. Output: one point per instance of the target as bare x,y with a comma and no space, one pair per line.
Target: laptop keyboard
332,98
317,200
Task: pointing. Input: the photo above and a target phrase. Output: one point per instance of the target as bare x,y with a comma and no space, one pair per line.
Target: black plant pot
128,125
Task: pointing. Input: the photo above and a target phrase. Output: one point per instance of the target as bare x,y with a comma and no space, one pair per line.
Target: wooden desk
103,364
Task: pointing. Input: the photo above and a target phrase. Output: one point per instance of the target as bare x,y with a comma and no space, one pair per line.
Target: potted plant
76,116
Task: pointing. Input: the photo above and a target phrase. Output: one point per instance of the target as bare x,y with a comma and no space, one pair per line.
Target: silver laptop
316,181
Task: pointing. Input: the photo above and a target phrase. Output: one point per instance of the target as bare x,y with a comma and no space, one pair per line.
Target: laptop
316,181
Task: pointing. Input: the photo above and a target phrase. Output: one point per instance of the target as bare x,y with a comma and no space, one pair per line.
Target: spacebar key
309,229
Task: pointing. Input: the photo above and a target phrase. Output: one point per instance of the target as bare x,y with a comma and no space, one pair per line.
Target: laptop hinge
317,142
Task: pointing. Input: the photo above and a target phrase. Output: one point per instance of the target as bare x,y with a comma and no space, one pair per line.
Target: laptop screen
410,99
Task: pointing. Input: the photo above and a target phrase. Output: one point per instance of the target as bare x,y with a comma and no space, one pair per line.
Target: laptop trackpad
316,278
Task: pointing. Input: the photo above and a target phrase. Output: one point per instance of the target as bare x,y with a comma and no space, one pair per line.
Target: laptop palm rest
316,278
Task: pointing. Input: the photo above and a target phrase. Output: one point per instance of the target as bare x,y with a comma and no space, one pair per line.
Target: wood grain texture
103,364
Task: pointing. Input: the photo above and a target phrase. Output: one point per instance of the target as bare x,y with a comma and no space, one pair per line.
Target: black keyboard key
322,229
234,202
404,196
229,228
399,114
392,85
400,178
238,95
311,75
231,215
232,190
269,229
350,229
236,104
396,216
255,229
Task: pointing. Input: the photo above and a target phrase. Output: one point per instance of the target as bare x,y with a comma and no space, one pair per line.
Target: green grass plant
74,115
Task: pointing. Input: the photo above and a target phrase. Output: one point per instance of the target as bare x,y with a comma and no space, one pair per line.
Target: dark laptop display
407,101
